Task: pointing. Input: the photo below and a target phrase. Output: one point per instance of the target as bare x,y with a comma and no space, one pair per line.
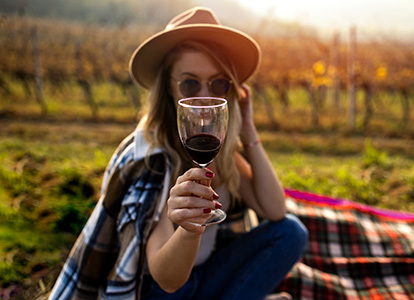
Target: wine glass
202,126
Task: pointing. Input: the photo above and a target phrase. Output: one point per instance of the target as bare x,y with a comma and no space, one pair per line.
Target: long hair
160,125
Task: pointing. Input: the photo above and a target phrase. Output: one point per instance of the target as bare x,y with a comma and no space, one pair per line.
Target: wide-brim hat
197,24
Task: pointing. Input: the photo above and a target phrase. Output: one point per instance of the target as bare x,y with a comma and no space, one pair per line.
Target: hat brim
240,48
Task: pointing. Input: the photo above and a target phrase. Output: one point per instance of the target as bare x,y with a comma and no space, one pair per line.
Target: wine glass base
216,216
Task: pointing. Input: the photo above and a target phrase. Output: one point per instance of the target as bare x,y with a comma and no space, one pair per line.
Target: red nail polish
218,205
209,174
207,210
215,196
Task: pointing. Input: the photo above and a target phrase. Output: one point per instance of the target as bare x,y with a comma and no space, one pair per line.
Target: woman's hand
248,132
245,104
192,199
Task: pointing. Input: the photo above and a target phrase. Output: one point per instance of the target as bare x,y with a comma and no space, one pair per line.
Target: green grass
47,192
51,166
354,177
67,101
49,183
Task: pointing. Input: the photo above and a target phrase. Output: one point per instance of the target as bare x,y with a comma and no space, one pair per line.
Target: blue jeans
249,268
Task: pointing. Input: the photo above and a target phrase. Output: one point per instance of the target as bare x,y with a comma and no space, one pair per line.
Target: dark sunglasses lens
220,87
189,87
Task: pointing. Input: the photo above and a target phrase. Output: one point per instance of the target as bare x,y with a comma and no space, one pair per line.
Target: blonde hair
161,110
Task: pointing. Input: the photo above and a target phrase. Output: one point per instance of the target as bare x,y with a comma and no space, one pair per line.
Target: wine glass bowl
202,126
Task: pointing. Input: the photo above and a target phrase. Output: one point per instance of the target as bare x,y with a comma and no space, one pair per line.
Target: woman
137,243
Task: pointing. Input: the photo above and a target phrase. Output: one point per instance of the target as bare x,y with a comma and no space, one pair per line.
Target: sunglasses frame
209,85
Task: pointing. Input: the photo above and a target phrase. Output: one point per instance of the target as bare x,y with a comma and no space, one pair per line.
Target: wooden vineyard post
405,99
351,79
335,63
84,83
38,78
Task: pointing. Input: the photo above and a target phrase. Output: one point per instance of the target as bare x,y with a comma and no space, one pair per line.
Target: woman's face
192,64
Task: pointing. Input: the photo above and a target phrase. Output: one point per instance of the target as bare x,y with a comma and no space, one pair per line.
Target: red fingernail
215,196
243,94
209,174
207,210
218,205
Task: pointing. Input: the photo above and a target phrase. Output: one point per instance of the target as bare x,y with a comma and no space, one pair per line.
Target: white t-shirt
209,236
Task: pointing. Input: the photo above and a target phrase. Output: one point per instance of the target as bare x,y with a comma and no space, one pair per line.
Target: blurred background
333,103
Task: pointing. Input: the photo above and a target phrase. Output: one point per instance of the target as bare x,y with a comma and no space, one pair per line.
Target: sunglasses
191,87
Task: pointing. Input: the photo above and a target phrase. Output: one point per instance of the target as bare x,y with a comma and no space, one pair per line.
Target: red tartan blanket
355,251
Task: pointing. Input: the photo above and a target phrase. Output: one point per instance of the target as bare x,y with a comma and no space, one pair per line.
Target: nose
204,92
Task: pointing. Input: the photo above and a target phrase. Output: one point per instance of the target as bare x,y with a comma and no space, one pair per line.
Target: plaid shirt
107,260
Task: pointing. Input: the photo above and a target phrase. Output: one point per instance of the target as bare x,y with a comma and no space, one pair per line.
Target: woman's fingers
196,215
191,202
196,174
191,198
190,219
245,93
194,182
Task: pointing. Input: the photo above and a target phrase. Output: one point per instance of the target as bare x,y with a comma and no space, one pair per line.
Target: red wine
202,148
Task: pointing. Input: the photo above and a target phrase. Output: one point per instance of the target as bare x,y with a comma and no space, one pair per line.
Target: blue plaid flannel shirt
107,260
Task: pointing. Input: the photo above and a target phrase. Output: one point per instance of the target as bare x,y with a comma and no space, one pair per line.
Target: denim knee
293,233
299,230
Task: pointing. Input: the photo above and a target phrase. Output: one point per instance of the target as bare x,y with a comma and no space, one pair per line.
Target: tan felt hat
197,24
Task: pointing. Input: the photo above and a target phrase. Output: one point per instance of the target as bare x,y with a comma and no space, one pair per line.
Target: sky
386,16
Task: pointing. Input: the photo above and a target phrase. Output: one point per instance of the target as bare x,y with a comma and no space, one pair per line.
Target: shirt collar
142,146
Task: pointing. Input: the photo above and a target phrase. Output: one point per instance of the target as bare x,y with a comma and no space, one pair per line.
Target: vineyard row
34,50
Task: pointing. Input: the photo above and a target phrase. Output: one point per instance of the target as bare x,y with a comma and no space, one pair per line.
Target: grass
47,192
49,183
350,177
51,169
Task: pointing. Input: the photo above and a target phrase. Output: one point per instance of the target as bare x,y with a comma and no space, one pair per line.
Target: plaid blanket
355,251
